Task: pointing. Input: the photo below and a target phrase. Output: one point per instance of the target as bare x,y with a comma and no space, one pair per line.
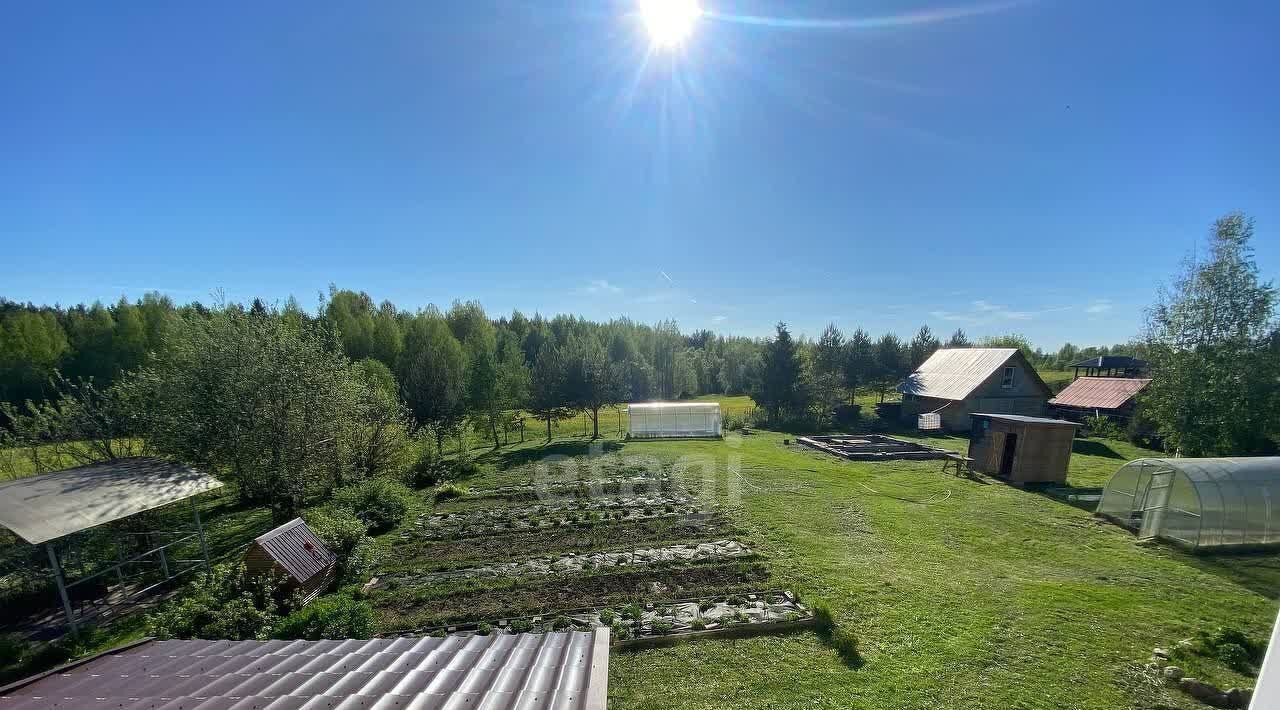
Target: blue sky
1036,167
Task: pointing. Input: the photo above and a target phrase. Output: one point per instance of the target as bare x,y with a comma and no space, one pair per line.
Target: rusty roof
954,373
297,549
1099,392
52,505
567,670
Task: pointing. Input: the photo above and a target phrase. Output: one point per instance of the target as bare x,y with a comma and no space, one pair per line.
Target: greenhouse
674,420
1200,503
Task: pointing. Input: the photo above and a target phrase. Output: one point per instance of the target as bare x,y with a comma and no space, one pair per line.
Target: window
1006,382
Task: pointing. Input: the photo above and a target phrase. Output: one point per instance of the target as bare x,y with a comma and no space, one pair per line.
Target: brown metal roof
52,505
954,373
297,549
566,670
1099,392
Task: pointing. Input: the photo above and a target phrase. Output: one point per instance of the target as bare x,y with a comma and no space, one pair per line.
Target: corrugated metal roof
1026,419
954,373
567,671
51,505
297,549
1099,392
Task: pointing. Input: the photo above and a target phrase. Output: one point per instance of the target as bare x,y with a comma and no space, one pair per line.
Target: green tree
828,367
922,346
263,400
958,339
548,396
431,370
1214,350
32,346
891,363
859,362
593,381
784,386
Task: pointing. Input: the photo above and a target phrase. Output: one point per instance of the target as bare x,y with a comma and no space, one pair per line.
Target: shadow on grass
1257,569
842,640
1090,447
1067,493
519,457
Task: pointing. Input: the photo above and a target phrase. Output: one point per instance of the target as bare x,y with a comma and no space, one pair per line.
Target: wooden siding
1042,453
258,561
1027,397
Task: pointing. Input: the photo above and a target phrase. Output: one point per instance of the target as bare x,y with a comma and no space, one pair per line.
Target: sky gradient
1031,167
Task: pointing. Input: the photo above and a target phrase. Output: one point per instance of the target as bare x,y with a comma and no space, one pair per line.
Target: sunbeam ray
920,17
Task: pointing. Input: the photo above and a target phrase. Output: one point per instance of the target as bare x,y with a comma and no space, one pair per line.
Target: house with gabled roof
957,382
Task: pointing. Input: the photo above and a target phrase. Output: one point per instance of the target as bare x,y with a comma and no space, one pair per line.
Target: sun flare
669,22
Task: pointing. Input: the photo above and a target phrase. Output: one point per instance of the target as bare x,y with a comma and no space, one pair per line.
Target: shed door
1156,502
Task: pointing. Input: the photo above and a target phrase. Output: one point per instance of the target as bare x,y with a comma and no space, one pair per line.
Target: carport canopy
53,505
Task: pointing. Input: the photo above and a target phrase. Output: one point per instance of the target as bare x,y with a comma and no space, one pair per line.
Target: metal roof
51,505
954,373
675,407
1026,420
1099,392
297,549
1107,362
568,671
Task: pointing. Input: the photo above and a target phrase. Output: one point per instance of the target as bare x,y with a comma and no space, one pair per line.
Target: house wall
1026,397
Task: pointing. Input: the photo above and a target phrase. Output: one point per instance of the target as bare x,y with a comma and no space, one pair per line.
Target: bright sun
669,22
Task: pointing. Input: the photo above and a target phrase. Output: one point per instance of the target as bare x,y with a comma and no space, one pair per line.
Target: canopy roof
1099,392
1118,362
954,373
52,505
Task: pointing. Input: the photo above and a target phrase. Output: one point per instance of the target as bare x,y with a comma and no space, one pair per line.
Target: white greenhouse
1200,503
674,420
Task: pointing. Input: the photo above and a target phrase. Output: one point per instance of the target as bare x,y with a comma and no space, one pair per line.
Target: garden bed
573,562
737,615
579,488
502,520
401,607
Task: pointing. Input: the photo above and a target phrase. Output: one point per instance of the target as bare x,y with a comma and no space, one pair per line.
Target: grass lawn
962,594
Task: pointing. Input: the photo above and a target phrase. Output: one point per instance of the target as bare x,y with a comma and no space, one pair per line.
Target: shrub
608,616
561,623
380,502
706,605
521,626
347,537
1103,428
631,612
484,628
13,649
449,491
619,630
661,627
698,624
335,617
222,603
1232,647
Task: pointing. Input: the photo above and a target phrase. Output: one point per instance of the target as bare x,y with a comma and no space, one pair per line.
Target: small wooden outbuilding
1021,449
294,551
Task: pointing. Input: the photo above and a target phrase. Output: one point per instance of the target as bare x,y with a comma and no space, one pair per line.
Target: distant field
1056,379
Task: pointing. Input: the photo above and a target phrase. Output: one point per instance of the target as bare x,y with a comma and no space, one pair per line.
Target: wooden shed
294,551
1021,449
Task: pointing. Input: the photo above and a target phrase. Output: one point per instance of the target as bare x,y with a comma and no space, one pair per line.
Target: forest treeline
99,342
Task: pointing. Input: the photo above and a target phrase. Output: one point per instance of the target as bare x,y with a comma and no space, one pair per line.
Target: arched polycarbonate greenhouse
1200,503
674,420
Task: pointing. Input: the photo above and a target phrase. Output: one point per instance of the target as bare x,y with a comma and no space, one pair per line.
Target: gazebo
46,508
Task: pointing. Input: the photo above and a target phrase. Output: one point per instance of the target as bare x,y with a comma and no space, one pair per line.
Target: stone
1160,652
1173,673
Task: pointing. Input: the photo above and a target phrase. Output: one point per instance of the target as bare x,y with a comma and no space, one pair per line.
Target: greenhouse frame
1199,503
674,420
